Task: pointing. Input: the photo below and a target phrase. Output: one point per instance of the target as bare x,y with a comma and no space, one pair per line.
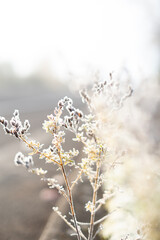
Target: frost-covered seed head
19,158
16,113
66,99
28,161
26,125
5,123
70,108
2,119
61,104
13,122
7,130
79,113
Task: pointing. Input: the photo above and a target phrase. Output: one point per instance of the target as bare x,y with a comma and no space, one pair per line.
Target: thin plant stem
94,199
76,180
98,221
68,223
70,197
67,184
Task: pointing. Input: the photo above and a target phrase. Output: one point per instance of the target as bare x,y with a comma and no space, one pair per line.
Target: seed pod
13,123
18,162
2,119
79,114
23,131
16,113
64,125
16,134
5,123
7,130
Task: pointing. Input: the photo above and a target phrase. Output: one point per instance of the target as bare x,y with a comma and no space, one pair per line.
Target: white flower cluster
89,206
67,157
49,153
53,183
70,122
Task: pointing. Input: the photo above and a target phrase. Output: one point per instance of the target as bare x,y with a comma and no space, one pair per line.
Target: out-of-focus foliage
133,166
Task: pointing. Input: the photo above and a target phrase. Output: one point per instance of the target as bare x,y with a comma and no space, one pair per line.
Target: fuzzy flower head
50,125
26,161
89,206
38,171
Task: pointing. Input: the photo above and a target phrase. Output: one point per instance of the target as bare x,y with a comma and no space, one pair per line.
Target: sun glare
74,36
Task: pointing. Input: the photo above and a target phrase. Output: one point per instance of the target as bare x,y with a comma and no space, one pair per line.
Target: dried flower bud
70,108
16,134
2,119
13,123
66,99
64,125
79,113
61,103
23,131
51,149
5,123
28,161
7,130
16,113
17,124
26,126
18,160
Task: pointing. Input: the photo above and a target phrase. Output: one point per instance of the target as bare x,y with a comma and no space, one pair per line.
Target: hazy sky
78,35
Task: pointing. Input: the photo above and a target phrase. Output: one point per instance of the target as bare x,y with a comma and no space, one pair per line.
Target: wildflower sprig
85,129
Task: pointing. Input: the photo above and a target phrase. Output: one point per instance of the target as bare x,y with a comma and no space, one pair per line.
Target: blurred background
49,49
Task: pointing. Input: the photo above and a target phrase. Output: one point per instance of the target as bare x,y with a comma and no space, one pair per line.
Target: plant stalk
94,199
70,198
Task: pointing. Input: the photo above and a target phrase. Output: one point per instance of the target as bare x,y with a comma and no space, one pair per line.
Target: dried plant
87,130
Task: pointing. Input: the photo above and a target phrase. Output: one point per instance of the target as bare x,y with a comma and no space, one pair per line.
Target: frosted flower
38,171
48,126
79,137
89,206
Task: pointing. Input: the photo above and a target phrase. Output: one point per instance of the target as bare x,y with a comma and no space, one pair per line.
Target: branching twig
103,201
97,232
94,201
98,221
68,223
76,180
70,196
37,151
